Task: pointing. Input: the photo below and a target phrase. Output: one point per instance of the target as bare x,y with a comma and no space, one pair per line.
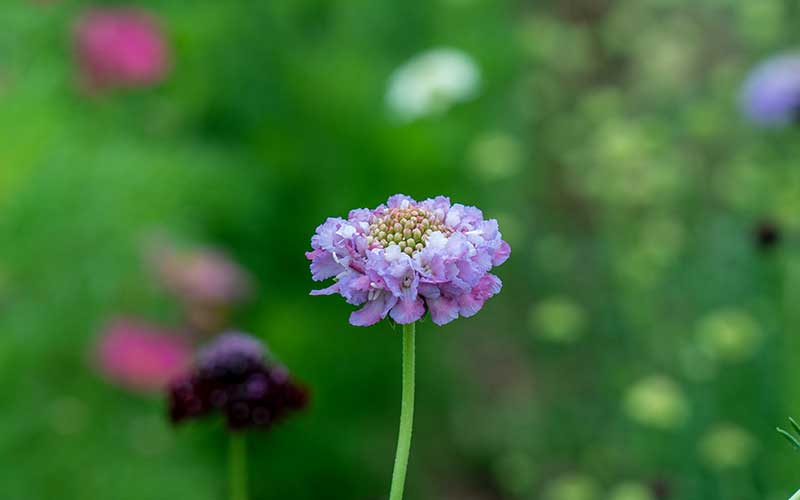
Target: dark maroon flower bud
233,376
767,235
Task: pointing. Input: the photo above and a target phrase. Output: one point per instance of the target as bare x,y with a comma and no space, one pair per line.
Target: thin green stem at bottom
406,415
237,466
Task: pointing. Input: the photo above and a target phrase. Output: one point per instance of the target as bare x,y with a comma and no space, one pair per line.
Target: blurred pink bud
203,276
141,357
120,47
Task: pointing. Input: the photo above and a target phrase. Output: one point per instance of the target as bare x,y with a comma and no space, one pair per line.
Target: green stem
237,463
406,415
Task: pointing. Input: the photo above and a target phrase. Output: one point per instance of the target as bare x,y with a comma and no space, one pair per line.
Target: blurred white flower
431,83
796,496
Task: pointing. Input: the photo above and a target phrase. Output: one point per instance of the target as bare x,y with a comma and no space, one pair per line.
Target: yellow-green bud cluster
409,228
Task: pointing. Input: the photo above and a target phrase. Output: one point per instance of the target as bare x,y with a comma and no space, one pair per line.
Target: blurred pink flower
206,282
202,276
141,357
120,47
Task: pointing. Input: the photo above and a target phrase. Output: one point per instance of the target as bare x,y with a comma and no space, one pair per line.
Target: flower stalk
237,464
406,415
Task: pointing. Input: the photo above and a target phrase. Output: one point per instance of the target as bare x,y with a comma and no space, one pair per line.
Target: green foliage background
641,338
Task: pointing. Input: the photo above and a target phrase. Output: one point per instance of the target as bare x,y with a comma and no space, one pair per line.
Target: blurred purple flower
771,94
141,357
120,47
233,376
406,256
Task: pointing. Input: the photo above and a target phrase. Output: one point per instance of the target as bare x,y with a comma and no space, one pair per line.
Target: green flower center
408,228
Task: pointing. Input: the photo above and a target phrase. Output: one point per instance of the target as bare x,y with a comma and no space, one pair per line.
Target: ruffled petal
354,287
367,315
429,291
374,311
408,311
359,215
470,303
323,265
400,200
326,291
323,239
443,310
501,254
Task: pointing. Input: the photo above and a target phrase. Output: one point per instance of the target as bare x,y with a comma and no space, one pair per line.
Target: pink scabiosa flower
406,257
141,357
233,376
402,259
120,47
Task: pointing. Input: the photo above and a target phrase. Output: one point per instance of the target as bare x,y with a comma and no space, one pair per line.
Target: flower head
406,257
233,376
771,94
431,82
141,357
120,47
